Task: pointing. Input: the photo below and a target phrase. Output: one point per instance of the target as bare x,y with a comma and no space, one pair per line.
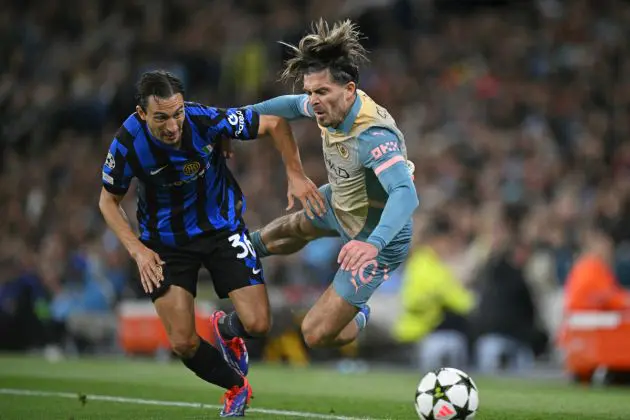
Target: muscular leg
287,234
176,310
330,323
252,316
341,312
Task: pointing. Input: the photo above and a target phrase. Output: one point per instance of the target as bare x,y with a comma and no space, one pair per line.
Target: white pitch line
69,395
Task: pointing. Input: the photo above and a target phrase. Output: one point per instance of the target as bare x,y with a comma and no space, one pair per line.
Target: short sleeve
117,173
237,123
379,150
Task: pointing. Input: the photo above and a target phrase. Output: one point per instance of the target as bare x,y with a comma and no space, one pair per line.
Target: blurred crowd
516,115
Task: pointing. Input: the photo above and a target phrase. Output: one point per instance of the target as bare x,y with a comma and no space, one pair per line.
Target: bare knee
258,325
252,308
315,336
184,346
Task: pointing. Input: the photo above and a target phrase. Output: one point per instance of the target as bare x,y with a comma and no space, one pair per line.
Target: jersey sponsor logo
343,151
191,168
382,149
335,169
110,162
107,178
256,271
157,170
189,180
237,120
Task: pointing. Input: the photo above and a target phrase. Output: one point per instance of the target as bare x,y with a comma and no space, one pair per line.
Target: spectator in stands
505,321
524,103
435,303
22,309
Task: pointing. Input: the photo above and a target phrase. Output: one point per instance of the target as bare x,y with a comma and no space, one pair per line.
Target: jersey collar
348,122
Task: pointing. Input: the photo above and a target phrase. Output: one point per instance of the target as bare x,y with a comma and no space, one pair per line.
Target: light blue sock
362,317
259,246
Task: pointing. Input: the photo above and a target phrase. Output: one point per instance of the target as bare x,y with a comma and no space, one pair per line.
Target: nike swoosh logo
256,271
158,170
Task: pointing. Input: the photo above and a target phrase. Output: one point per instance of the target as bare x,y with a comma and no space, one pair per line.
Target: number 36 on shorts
242,242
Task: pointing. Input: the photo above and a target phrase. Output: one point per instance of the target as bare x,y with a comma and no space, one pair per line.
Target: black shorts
228,255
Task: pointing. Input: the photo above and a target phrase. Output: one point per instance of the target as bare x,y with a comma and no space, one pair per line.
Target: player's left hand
305,190
356,253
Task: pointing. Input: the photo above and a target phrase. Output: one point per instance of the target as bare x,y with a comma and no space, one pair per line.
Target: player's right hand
305,190
150,267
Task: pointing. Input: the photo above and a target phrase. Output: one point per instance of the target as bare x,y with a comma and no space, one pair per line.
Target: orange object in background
595,339
592,285
596,328
140,330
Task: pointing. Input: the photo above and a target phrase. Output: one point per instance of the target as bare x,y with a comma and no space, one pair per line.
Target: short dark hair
159,83
337,49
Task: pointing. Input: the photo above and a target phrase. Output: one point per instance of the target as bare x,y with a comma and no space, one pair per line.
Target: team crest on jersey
110,162
343,151
191,168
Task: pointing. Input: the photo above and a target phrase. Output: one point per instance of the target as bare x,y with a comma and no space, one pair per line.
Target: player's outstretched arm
246,124
300,185
290,107
379,151
383,156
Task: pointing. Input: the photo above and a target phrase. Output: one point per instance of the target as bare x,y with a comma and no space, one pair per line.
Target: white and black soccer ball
447,394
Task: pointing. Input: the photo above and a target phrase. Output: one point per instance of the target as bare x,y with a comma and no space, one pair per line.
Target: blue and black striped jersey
185,192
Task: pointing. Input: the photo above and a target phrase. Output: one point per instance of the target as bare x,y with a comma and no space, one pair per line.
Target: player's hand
150,267
356,253
305,190
225,147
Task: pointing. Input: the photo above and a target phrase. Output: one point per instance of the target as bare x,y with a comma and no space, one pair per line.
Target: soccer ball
447,394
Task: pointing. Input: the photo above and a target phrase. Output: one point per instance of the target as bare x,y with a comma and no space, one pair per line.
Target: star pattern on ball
447,393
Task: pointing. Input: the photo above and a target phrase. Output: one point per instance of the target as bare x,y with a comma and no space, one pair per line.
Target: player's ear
141,112
351,88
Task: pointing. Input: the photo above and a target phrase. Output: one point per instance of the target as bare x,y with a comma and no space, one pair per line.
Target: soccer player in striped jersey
189,212
370,197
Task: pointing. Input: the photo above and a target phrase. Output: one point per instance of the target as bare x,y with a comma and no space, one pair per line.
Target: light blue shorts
358,286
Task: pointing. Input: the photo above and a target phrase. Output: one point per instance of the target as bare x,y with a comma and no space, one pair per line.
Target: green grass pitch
131,389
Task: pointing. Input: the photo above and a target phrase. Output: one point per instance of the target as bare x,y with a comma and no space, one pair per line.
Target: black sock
230,326
208,364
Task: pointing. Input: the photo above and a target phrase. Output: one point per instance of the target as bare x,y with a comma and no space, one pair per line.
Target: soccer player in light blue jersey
370,197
